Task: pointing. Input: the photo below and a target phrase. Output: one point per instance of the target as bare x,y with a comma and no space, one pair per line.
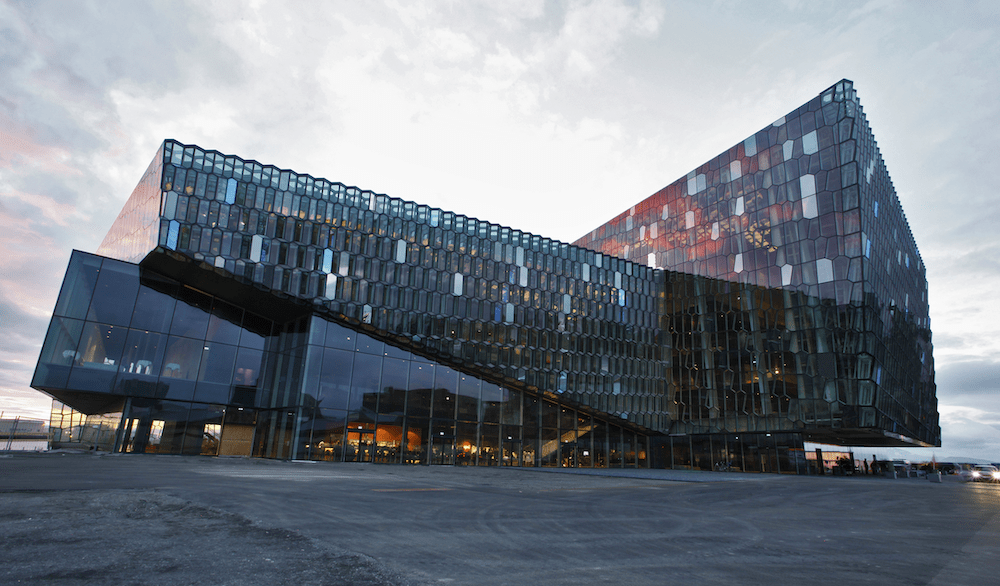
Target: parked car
947,468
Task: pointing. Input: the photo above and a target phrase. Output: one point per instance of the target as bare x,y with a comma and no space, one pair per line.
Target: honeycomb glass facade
238,308
830,330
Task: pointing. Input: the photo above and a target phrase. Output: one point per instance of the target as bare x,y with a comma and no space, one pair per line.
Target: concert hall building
771,297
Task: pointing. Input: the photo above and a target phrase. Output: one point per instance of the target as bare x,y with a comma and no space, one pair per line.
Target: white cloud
450,46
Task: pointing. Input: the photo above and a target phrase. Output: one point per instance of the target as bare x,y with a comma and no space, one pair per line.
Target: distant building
773,296
19,434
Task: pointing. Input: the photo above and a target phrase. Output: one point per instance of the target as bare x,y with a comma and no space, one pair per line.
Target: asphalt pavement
68,519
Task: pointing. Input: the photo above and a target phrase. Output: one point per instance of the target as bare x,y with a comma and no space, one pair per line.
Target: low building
19,434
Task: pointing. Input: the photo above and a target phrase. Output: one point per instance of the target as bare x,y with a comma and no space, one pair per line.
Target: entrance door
511,455
360,445
238,432
443,451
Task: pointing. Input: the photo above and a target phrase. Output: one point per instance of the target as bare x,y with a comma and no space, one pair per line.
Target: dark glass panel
59,353
99,360
415,441
369,345
182,358
492,402
394,352
224,323
249,365
180,389
328,434
191,314
388,442
466,447
530,430
392,402
287,370
628,449
548,453
445,390
418,396
275,434
442,442
468,397
567,419
616,451
153,308
255,331
510,443
115,293
752,460
600,444
311,375
701,452
489,445
510,411
305,448
203,431
365,386
142,362
78,285
338,336
335,381
317,331
550,415
216,375
144,352
156,426
734,453
584,441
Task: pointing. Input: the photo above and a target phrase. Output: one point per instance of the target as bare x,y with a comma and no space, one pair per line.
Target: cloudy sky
550,117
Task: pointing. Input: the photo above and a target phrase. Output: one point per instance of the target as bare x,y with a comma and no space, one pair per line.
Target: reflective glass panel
59,353
115,293
418,396
100,352
224,323
335,382
78,286
191,314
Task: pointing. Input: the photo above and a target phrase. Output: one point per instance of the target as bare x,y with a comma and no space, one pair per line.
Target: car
984,473
946,468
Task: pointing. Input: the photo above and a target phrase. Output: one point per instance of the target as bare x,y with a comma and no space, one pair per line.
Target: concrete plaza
137,519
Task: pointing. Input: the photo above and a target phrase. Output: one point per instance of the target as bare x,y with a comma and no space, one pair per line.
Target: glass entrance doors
360,445
443,450
511,452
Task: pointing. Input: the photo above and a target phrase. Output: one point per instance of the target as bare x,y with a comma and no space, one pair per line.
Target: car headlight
976,474
996,475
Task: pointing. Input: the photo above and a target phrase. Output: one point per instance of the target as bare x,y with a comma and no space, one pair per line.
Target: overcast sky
550,117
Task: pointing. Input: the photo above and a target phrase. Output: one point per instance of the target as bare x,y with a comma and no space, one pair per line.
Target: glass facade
241,309
191,373
815,311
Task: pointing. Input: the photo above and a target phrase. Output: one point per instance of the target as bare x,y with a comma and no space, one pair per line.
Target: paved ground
81,518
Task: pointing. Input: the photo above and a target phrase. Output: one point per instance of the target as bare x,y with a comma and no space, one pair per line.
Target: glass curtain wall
191,373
